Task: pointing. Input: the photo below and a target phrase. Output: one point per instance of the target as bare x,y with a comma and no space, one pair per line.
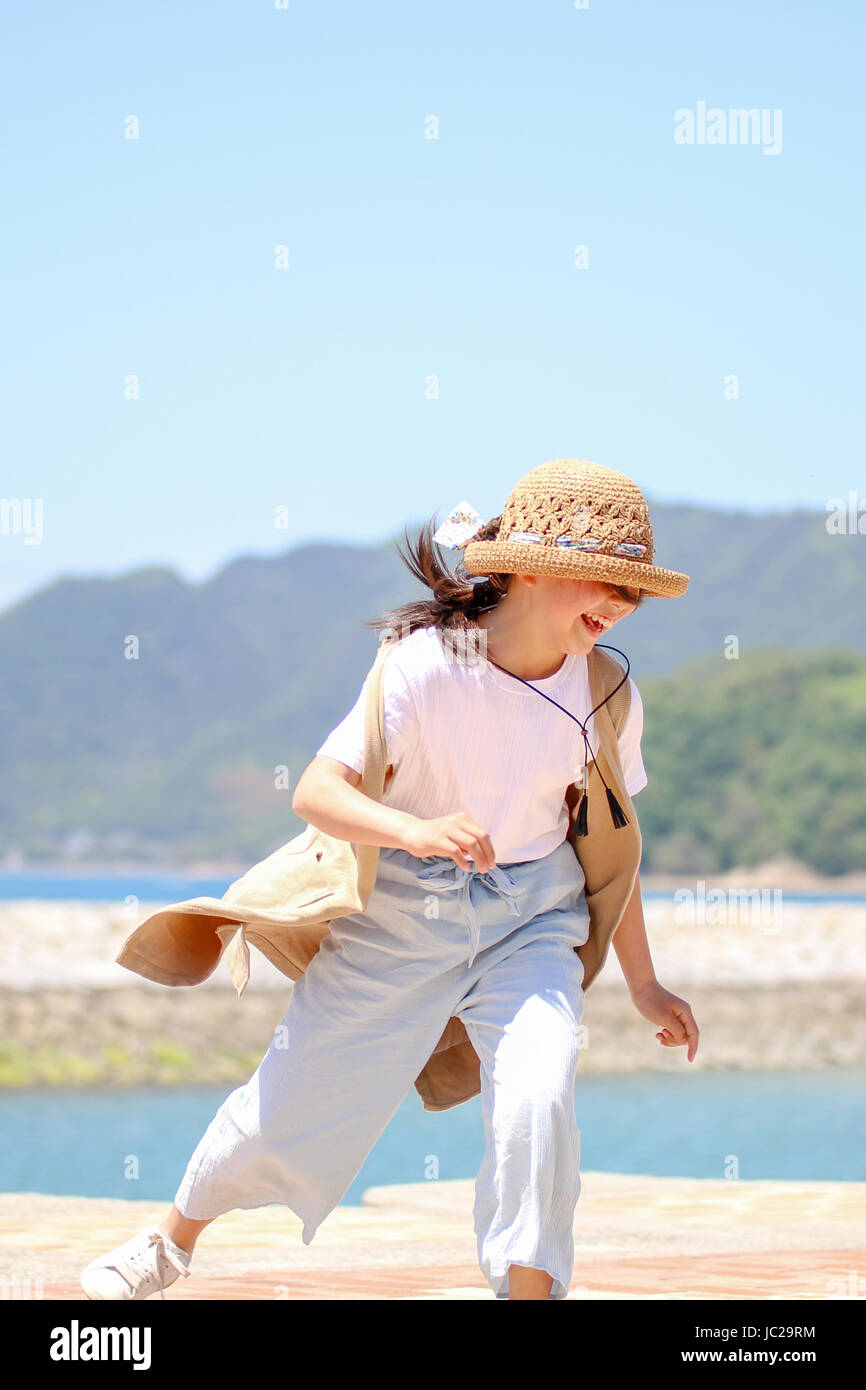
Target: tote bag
281,905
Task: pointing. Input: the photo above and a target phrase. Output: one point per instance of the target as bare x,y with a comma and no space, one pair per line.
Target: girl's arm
671,1013
326,796
631,945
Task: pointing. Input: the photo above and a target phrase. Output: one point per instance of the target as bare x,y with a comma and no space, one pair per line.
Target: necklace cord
574,716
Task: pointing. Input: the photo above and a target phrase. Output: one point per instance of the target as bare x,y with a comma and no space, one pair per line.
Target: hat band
631,550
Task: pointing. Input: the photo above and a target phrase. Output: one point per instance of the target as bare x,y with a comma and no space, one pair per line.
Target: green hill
752,758
177,753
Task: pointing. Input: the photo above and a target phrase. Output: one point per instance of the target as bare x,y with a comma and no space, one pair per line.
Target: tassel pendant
617,813
580,822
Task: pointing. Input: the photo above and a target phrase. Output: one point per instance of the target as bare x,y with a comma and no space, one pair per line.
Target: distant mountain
756,758
777,579
176,754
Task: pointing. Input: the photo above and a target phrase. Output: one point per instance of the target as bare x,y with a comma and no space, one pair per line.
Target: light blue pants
436,941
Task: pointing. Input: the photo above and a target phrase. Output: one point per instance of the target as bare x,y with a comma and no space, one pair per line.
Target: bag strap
619,702
373,775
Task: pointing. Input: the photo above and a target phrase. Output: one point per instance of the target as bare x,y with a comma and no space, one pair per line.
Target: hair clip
458,528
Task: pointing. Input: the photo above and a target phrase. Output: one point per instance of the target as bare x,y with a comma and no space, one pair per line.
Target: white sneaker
147,1262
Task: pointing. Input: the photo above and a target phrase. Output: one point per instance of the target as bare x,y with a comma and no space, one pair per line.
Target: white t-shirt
472,738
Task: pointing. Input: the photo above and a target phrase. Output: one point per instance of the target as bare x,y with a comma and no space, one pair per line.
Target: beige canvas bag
282,905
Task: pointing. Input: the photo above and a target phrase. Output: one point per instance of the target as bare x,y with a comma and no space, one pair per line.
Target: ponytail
458,598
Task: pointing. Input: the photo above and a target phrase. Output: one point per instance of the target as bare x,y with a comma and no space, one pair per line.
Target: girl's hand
454,837
660,1006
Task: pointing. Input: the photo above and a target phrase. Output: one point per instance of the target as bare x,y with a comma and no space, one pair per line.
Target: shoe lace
139,1262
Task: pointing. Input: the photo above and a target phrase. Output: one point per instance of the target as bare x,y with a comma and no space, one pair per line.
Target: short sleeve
346,741
630,736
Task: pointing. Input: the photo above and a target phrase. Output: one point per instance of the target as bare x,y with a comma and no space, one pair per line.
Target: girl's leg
362,1022
361,1025
523,1018
182,1230
528,1283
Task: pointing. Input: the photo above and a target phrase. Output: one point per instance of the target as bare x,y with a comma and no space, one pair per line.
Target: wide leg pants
496,949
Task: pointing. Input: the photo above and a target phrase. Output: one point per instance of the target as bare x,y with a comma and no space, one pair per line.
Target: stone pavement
635,1238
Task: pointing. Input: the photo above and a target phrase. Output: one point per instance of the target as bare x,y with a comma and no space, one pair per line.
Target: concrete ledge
635,1237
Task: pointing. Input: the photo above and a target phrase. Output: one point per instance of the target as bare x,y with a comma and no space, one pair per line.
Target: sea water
134,1143
159,887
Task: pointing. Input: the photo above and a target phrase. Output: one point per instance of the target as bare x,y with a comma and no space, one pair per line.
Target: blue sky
412,258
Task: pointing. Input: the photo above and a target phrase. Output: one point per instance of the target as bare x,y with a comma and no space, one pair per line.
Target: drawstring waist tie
454,876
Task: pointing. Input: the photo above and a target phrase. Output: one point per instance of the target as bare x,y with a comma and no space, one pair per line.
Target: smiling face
576,613
543,618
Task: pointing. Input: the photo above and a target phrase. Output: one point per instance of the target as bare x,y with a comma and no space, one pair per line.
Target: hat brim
512,557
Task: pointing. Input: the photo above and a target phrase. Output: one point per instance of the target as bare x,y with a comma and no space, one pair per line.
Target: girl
479,908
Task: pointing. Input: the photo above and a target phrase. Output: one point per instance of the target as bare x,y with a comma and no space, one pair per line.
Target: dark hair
456,600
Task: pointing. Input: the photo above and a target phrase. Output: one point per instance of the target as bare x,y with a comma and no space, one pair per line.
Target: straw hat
575,519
